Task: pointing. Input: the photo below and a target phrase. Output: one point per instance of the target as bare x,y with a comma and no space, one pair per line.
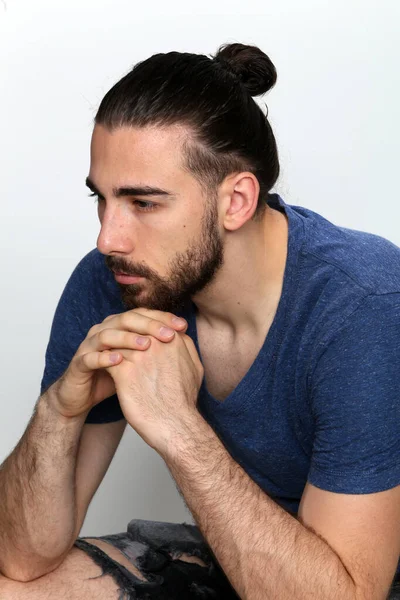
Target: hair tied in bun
250,65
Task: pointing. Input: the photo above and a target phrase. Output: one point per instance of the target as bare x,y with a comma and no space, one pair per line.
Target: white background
334,110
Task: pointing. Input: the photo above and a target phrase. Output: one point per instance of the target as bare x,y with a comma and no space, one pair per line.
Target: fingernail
179,322
142,341
166,331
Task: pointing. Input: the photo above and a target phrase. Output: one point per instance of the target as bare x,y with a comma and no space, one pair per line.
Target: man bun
250,65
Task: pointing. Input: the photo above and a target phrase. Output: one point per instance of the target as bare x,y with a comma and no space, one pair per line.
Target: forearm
264,551
37,490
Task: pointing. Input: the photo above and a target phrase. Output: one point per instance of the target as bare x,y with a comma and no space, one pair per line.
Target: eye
143,205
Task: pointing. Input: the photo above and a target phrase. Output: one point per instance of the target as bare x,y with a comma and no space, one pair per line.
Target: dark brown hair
213,97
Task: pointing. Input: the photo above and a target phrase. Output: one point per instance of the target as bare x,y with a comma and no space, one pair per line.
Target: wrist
48,403
192,434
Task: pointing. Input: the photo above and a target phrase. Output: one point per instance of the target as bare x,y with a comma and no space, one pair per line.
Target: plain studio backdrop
334,112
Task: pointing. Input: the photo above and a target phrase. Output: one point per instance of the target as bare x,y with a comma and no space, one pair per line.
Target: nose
115,234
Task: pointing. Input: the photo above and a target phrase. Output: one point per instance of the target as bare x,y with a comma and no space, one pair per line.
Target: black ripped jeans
154,548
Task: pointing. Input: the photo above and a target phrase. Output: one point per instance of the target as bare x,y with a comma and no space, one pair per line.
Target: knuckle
166,317
109,317
82,358
125,320
130,339
156,324
171,315
103,358
102,336
92,331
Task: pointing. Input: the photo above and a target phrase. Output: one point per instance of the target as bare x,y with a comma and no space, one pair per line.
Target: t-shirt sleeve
355,395
74,316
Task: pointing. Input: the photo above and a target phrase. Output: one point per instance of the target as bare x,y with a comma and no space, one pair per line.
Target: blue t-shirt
321,402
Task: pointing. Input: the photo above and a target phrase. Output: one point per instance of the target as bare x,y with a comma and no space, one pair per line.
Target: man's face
172,239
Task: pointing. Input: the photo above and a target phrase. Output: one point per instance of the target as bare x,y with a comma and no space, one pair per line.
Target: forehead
143,153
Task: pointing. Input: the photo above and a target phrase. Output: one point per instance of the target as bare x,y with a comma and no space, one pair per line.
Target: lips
125,274
126,279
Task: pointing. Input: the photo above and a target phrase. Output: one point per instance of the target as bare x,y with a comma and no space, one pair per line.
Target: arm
37,513
346,541
48,481
46,485
38,518
342,547
345,544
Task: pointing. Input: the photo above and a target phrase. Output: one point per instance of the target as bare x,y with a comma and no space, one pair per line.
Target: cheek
161,245
178,236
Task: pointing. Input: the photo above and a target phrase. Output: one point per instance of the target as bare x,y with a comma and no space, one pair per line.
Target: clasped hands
158,383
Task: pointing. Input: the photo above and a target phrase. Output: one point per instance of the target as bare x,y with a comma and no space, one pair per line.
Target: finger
141,324
110,317
116,338
128,356
187,341
191,348
165,318
91,361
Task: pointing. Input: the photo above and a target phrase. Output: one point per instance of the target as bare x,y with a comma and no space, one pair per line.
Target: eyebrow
130,190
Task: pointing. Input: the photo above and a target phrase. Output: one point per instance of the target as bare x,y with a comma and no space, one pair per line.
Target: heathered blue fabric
321,402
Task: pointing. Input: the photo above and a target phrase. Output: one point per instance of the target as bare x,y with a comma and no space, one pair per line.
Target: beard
189,271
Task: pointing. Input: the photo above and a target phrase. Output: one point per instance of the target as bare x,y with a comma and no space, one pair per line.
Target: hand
158,389
86,382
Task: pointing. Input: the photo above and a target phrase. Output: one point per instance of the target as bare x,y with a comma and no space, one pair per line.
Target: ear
239,199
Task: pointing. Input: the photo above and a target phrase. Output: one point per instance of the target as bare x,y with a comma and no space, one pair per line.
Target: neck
246,290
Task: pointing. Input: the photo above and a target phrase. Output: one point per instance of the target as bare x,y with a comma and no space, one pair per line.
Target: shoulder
346,280
368,260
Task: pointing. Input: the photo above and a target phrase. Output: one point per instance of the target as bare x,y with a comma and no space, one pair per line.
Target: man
275,404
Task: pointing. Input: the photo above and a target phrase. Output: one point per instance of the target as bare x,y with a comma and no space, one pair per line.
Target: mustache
117,265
